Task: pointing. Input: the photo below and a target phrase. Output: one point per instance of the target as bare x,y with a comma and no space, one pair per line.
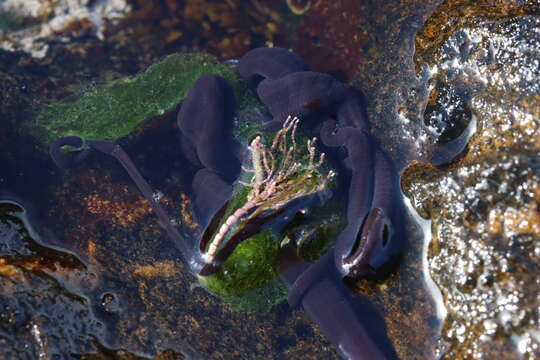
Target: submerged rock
44,310
484,206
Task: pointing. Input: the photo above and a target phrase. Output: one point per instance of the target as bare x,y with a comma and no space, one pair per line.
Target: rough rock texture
227,29
484,206
42,21
473,59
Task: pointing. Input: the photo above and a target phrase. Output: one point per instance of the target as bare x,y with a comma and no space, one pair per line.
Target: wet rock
43,21
484,205
44,309
332,35
226,29
146,291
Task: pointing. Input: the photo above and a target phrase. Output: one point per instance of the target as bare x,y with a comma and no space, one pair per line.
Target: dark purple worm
206,120
366,243
287,88
334,307
269,63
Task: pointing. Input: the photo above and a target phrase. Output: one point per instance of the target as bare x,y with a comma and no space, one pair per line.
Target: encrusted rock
53,19
484,207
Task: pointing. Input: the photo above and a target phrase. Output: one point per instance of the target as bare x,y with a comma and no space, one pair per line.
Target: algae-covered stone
115,109
248,280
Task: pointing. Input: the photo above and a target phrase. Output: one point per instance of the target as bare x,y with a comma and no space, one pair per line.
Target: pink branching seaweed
279,175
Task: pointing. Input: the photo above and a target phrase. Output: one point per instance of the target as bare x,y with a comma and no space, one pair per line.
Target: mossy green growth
115,109
246,130
247,280
316,233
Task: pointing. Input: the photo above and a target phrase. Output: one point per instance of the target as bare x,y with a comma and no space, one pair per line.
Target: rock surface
484,206
436,74
42,21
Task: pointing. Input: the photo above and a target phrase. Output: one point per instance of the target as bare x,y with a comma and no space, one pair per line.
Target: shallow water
87,272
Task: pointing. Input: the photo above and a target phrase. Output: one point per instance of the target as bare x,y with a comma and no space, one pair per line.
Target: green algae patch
115,109
248,281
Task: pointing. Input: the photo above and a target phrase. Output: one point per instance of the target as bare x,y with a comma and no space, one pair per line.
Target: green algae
247,280
115,109
314,233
